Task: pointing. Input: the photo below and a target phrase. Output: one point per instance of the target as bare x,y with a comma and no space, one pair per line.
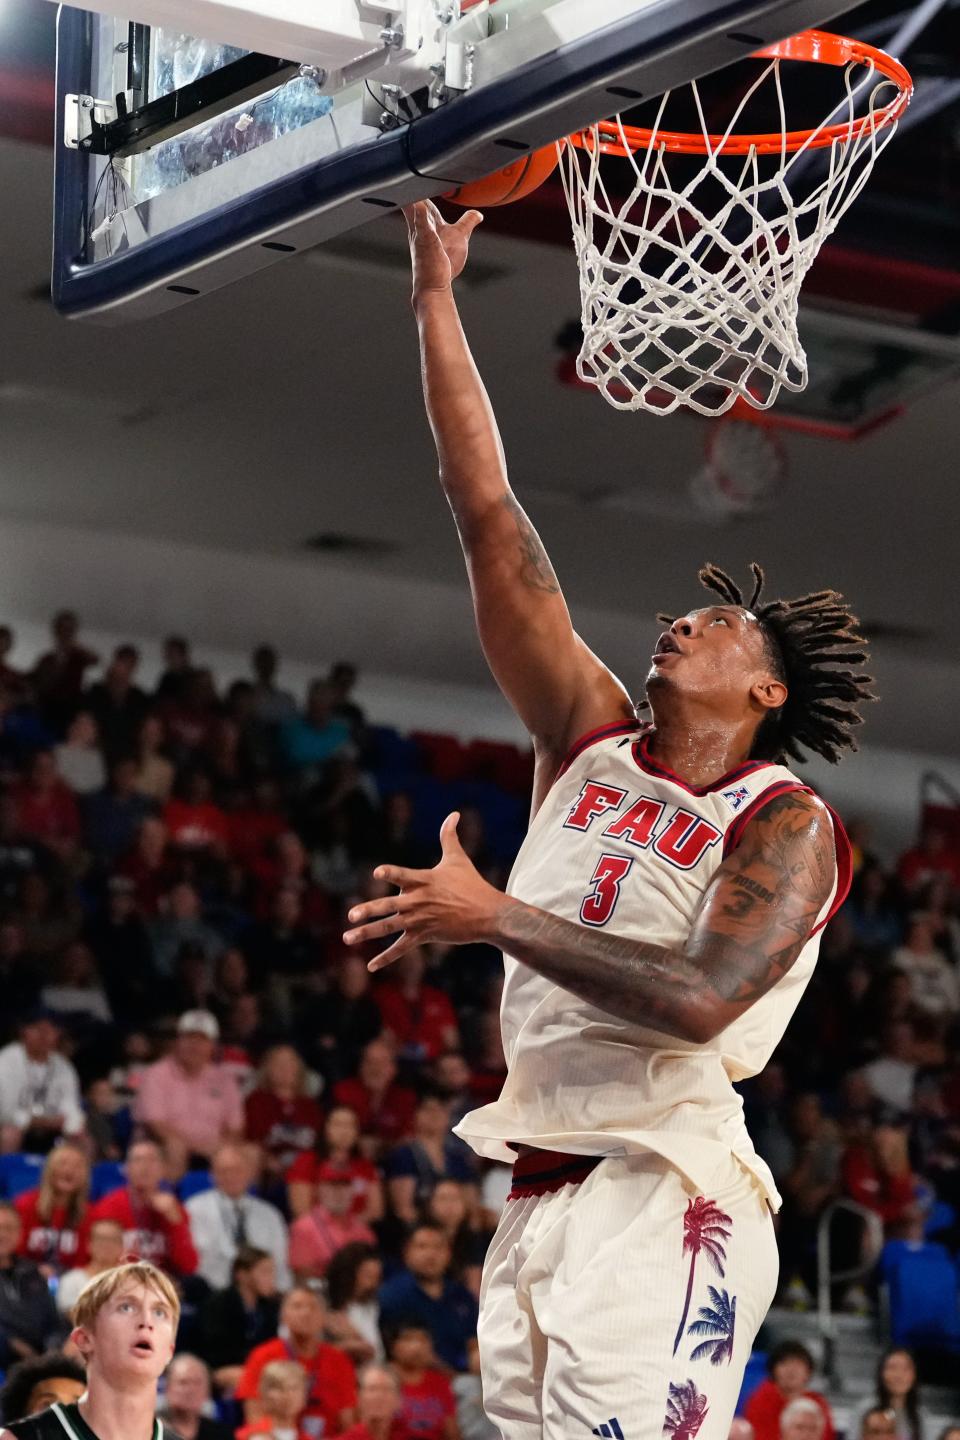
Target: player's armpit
761,908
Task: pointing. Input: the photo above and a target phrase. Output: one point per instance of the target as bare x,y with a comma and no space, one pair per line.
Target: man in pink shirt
317,1236
190,1104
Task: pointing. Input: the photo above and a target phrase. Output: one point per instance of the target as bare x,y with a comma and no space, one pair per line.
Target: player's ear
81,1340
769,694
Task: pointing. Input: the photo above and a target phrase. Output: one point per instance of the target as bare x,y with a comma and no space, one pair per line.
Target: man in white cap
189,1102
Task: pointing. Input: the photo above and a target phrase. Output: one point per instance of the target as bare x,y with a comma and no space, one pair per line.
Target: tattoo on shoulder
536,572
766,908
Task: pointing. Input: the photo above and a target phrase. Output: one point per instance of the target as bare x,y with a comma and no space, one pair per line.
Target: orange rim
816,46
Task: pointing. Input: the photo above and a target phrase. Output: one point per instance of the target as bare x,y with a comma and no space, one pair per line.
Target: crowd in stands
195,1071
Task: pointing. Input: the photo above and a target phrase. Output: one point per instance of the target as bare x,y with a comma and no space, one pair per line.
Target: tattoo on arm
536,572
753,923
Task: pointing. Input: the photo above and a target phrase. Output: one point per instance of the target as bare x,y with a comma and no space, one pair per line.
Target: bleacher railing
871,1246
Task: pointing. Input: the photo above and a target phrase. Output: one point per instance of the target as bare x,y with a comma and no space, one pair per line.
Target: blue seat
924,1307
19,1173
105,1176
194,1183
755,1372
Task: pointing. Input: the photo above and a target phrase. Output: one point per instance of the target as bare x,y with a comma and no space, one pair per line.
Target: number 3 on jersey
606,880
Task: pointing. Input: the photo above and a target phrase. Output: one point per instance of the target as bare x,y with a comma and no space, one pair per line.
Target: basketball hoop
689,290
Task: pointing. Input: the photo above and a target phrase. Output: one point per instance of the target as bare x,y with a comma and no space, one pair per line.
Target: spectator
332,1394
339,1145
272,706
114,815
877,1173
39,1088
789,1371
327,1226
932,857
414,1168
29,1322
47,811
190,720
451,1077
878,1424
78,758
188,1101
423,1291
281,951
897,1394
119,940
874,923
309,740
58,674
332,1029
187,1399
180,923
354,1277
228,1217
48,915
256,823
177,669
341,679
418,1017
77,993
740,1429
282,1396
194,823
399,845
383,1108
105,1243
934,987
379,1402
55,1218
468,1393
428,1407
891,1076
246,1314
19,978
155,772
282,1116
801,1419
149,868
117,704
811,1183
19,854
449,1206
155,1225
35,1385
12,680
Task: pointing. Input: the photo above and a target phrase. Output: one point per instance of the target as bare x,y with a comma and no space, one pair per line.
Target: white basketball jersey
622,843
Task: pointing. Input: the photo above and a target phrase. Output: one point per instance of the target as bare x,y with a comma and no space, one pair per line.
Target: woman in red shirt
877,1174
281,1117
339,1145
55,1218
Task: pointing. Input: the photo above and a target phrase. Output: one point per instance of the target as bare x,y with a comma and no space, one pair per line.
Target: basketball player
659,928
125,1325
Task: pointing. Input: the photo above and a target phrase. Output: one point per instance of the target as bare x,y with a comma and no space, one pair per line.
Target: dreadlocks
816,650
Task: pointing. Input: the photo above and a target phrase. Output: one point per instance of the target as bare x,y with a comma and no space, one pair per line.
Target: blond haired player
659,927
125,1326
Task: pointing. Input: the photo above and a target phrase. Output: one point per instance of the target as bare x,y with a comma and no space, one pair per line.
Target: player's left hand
452,903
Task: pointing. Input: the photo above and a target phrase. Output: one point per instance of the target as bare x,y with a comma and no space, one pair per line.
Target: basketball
513,182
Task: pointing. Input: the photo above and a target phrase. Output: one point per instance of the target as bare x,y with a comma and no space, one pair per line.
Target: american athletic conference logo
736,797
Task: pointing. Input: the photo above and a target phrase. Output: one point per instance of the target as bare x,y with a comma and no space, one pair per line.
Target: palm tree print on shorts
718,1320
705,1228
686,1411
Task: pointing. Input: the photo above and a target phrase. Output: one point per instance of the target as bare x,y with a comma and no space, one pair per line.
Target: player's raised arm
557,685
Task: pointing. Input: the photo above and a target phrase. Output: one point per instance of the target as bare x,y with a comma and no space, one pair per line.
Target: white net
689,292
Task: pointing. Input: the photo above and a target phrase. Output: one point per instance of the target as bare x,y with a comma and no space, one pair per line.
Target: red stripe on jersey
541,1172
593,737
645,761
844,868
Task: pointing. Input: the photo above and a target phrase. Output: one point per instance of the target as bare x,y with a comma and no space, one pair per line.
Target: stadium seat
755,1372
105,1176
922,1283
19,1173
194,1183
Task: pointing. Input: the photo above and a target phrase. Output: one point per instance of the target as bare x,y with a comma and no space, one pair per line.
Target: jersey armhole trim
593,737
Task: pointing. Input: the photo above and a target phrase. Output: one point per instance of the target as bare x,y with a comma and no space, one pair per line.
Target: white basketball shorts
625,1305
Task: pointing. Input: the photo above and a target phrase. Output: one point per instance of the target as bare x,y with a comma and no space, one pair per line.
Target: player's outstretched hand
438,250
451,903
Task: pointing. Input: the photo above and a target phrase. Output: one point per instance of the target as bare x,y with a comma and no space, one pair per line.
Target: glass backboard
183,163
